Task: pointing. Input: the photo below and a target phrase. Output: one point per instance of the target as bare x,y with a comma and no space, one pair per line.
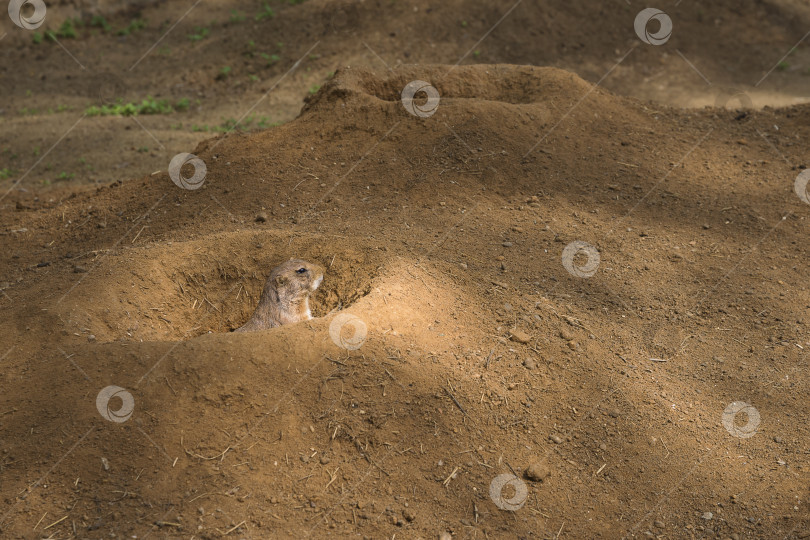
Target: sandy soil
651,383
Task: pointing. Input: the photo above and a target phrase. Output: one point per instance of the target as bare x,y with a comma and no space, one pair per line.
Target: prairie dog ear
280,280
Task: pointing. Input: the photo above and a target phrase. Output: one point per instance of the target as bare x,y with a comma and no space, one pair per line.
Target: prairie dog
285,298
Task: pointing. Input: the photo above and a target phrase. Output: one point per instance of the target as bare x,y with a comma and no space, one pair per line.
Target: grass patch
270,58
147,106
200,33
265,13
100,22
67,30
134,26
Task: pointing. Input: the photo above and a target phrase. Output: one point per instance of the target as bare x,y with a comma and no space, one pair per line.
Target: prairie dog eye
301,271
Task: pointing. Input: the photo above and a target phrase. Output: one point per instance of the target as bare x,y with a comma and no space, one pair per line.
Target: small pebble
79,269
707,516
556,439
261,217
519,336
507,244
538,472
445,536
325,460
566,334
659,524
529,364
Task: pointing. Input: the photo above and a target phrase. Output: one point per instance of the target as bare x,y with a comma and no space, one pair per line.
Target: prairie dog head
296,279
285,298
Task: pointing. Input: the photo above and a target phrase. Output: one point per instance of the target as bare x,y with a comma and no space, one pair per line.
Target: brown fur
285,298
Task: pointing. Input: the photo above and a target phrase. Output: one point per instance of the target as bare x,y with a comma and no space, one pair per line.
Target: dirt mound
494,303
229,66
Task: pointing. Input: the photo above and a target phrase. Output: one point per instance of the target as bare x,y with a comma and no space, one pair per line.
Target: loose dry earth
471,351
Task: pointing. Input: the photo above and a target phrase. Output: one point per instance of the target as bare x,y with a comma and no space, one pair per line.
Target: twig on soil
420,279
210,304
579,323
665,446
486,364
137,235
447,480
170,386
206,458
229,531
372,462
560,531
203,495
456,401
55,522
395,379
333,477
